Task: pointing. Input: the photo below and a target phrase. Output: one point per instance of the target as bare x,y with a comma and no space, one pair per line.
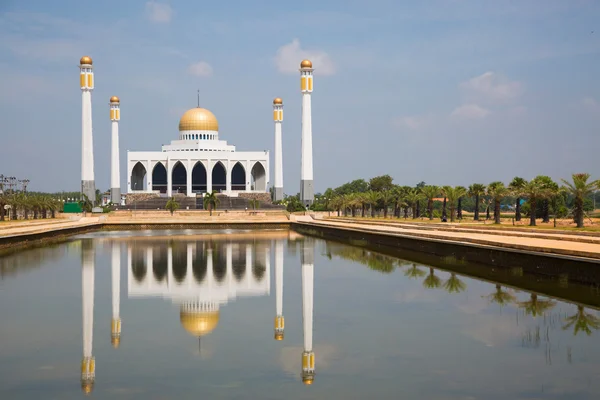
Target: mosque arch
259,267
138,265
160,263
199,178
138,177
159,178
199,265
238,264
219,266
179,263
179,178
238,177
259,177
219,177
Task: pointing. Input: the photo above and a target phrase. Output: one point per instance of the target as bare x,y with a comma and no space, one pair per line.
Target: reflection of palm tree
381,263
582,321
501,297
432,281
414,272
535,307
454,285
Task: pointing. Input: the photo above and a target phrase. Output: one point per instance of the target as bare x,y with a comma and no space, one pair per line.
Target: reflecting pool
228,314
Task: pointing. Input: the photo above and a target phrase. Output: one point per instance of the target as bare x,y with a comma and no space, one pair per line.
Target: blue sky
420,90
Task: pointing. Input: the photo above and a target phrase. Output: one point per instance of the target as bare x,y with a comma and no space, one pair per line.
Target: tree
430,192
516,188
580,188
387,197
412,197
414,272
85,203
497,191
254,203
533,191
172,205
454,285
452,194
356,186
477,190
211,201
371,198
501,297
432,281
582,321
551,188
535,307
381,183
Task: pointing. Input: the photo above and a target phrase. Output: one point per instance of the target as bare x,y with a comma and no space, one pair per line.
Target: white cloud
492,87
201,68
288,57
470,111
159,12
414,122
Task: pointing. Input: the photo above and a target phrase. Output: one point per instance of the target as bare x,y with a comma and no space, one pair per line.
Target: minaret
307,191
308,356
279,320
88,363
115,326
86,81
115,181
278,118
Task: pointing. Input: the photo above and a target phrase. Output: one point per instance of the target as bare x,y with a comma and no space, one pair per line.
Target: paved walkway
35,227
518,242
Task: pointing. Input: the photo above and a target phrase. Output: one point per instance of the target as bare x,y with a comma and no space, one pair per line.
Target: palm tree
336,204
412,197
3,202
580,189
497,191
211,201
430,192
388,197
414,272
453,194
371,198
535,307
459,208
85,203
552,188
432,281
477,190
516,187
582,321
172,205
533,191
254,203
501,297
454,285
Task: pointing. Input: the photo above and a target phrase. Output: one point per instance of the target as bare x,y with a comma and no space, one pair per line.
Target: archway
219,177
199,264
179,178
238,177
138,265
179,263
259,178
160,264
138,177
238,264
159,178
259,267
199,178
219,266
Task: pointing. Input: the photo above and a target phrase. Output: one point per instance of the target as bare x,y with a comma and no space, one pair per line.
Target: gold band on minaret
86,73
115,109
278,110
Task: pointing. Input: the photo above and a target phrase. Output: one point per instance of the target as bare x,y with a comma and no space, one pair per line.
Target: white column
116,298
88,367
308,356
248,175
306,179
86,78
278,118
228,178
115,181
209,167
169,178
279,319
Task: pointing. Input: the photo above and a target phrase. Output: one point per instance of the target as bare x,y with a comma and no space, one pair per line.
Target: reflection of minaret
115,328
115,178
278,118
88,363
308,356
279,320
307,193
86,81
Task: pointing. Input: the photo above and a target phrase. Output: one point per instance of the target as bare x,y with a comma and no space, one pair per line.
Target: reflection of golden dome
308,380
115,341
199,323
198,119
277,100
278,335
306,64
114,99
85,60
87,387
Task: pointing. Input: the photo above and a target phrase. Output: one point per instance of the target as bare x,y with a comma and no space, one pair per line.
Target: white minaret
307,191
278,118
279,320
115,181
308,356
88,363
115,326
86,81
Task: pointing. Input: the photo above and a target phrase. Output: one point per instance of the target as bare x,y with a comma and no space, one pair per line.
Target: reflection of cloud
490,330
416,295
290,358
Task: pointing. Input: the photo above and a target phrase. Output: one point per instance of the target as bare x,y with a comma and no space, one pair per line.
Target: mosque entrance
219,177
238,177
138,177
199,178
159,178
179,179
259,178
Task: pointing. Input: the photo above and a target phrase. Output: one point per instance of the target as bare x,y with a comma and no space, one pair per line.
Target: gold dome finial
115,99
87,387
277,100
308,380
199,323
198,119
278,336
85,60
115,341
306,64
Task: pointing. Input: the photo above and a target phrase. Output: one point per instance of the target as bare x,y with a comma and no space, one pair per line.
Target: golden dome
278,335
277,100
199,323
87,387
115,99
85,60
306,64
308,380
198,119
115,341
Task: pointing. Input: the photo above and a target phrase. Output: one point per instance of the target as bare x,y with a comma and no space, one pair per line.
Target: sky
449,92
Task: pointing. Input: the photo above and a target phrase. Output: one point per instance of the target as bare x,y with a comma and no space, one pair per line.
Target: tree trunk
545,211
444,215
518,210
414,210
533,204
418,212
1,212
497,211
354,211
385,210
578,212
35,213
487,212
406,212
430,208
363,210
338,212
476,216
372,210
459,209
53,214
210,209
451,213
